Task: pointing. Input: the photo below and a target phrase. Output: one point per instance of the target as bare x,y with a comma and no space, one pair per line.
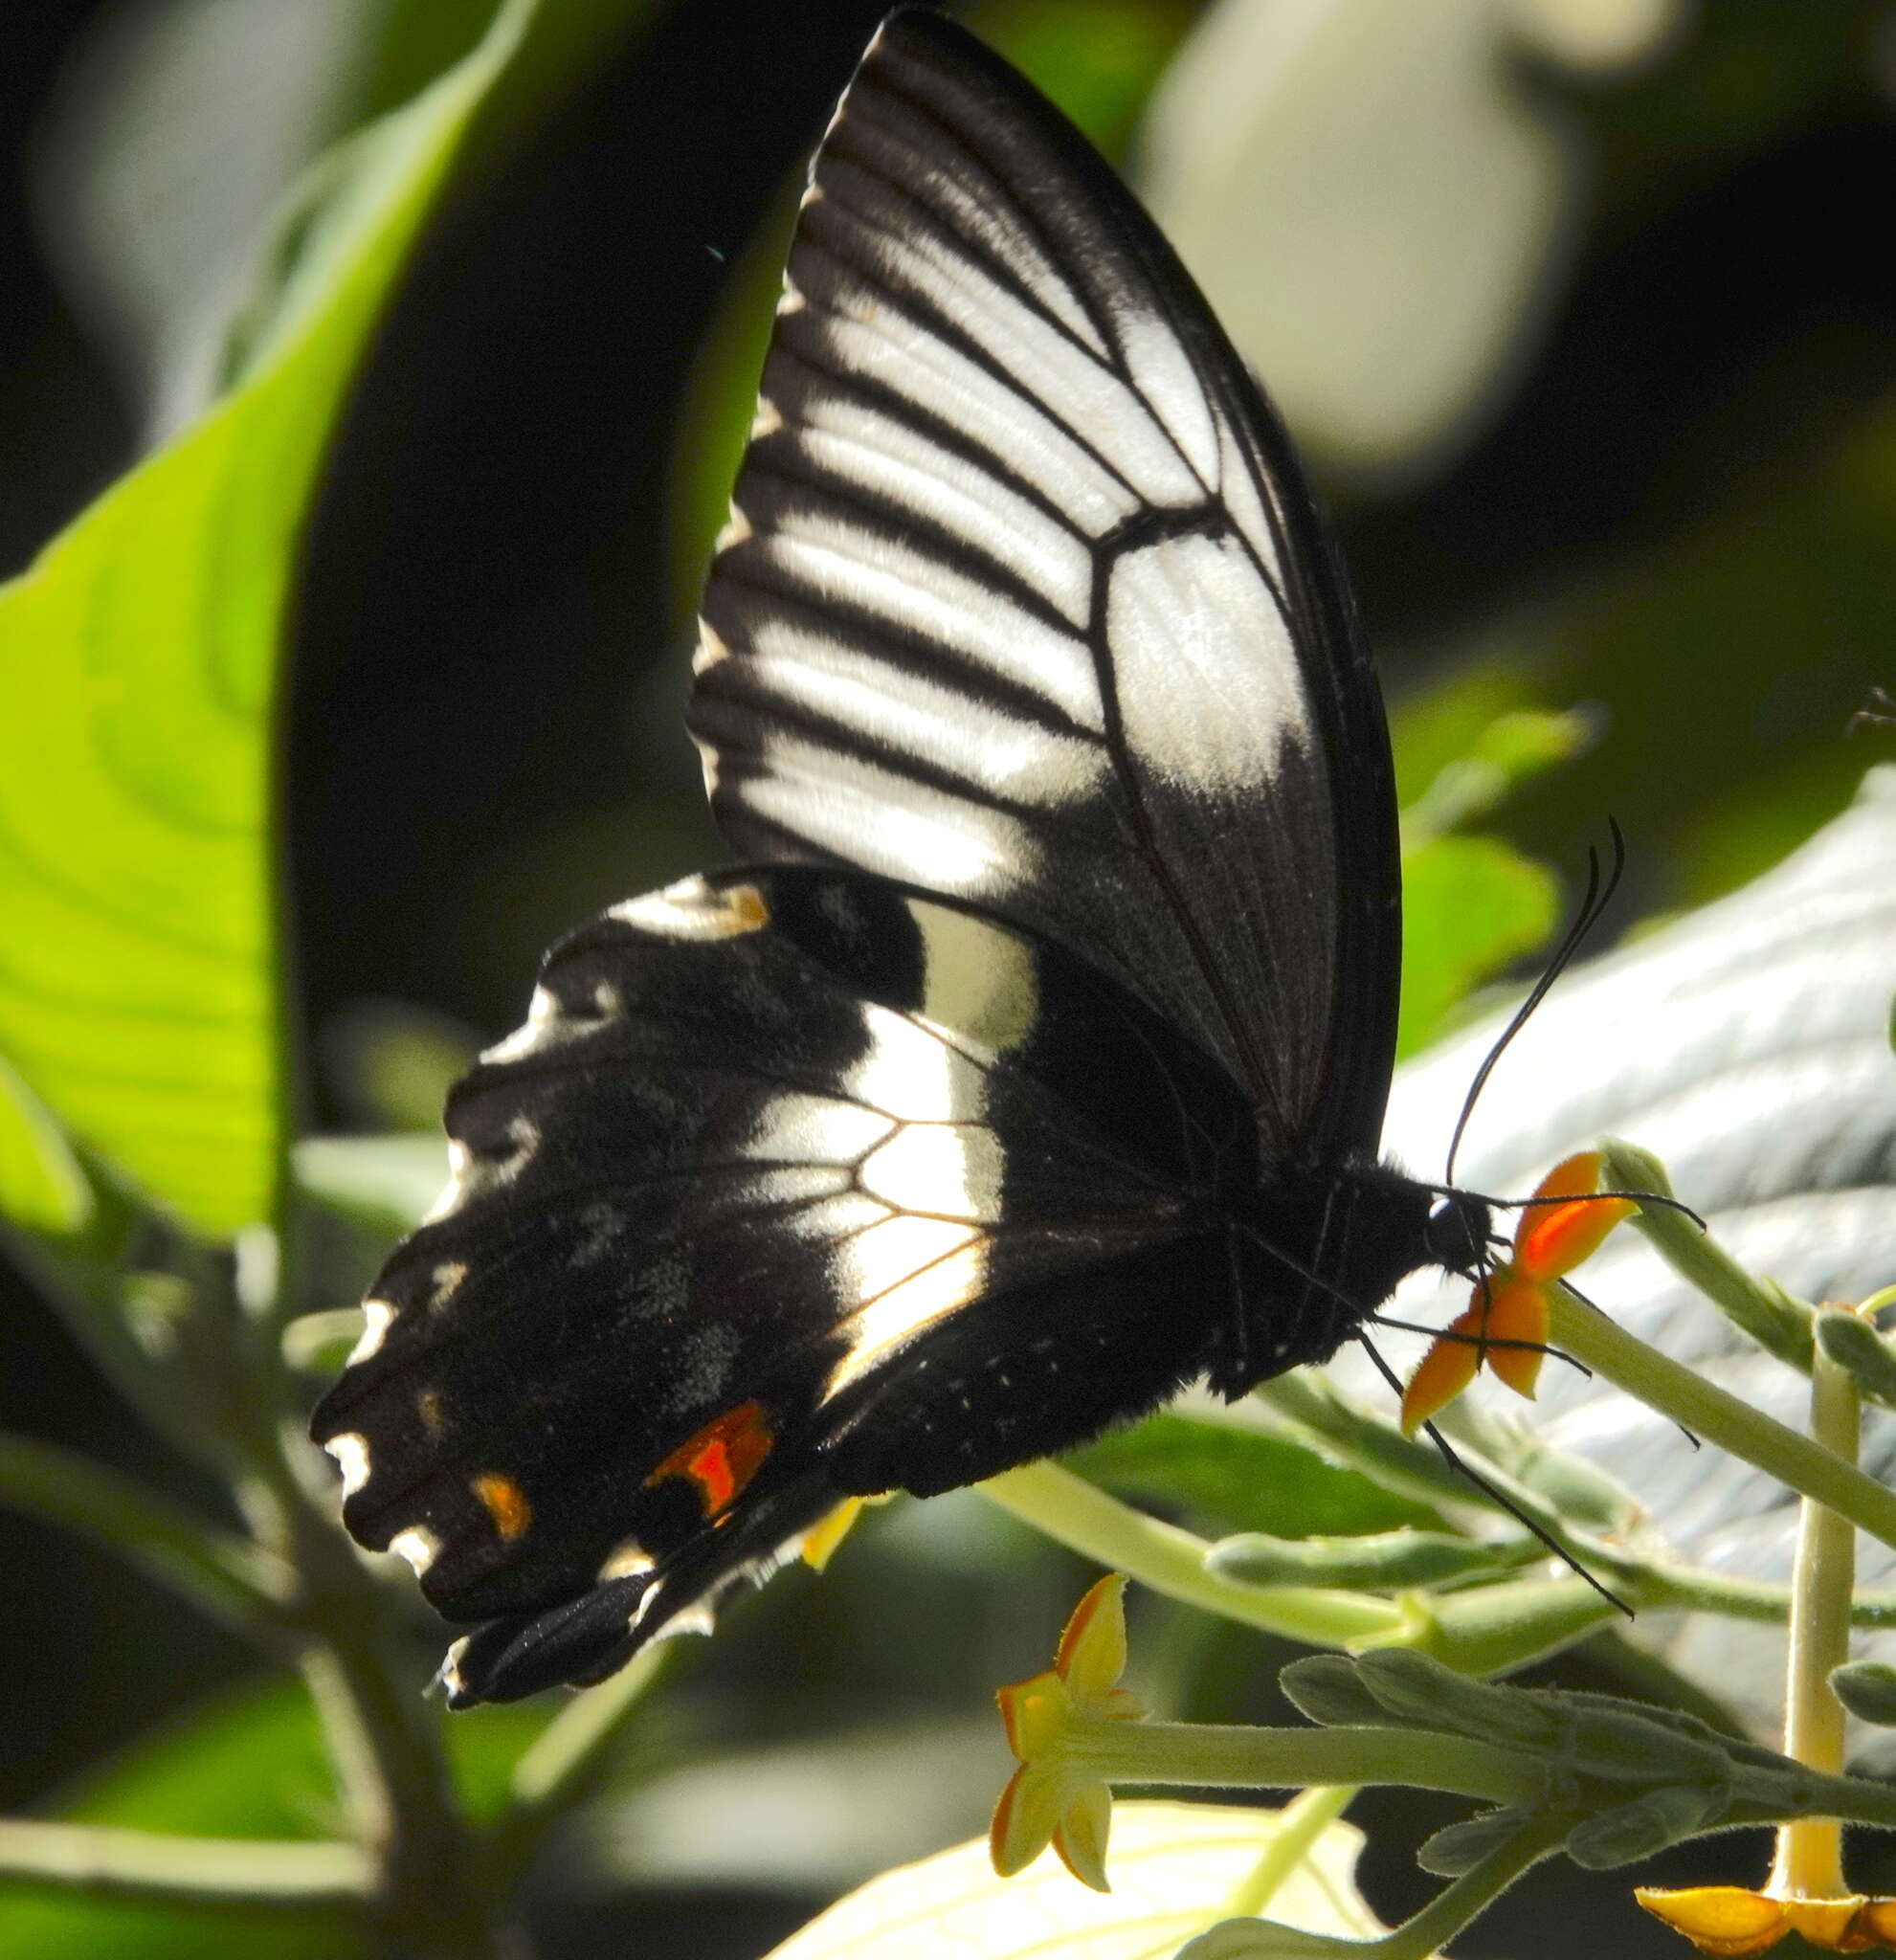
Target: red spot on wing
723,1457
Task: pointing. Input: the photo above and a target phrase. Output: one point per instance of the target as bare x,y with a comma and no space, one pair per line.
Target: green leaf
1239,1478
1470,906
1512,750
1176,1870
250,1766
41,1183
139,988
1867,1689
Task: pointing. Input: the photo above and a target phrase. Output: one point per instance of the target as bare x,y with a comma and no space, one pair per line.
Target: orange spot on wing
505,1502
723,1457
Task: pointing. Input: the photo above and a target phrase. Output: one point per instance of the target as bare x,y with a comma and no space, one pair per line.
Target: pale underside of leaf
1175,1869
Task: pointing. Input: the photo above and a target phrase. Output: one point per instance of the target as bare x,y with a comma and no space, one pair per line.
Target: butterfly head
1460,1233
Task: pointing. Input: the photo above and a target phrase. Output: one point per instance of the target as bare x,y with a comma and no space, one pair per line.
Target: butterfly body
1035,1066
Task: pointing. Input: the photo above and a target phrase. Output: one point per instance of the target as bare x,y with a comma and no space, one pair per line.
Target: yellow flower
1054,1797
1730,1920
1505,1323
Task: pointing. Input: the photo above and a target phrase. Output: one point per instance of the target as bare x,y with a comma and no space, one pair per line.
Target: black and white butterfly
1035,1063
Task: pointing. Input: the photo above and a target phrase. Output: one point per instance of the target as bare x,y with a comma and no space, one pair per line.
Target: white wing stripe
968,202
903,714
925,598
1039,362
981,408
906,473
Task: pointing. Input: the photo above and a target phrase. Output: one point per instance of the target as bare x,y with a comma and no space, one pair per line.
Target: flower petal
1828,1922
1718,1919
1553,1239
1091,1655
1442,1373
1081,1839
1517,1312
1024,1822
1034,1711
820,1541
1876,1924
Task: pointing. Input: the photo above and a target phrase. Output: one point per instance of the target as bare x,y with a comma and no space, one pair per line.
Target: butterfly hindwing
1023,598
793,1185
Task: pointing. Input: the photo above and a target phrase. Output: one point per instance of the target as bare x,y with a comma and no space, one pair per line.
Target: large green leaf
138,975
1237,1477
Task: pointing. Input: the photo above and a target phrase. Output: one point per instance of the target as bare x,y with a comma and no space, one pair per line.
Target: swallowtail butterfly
1033,1063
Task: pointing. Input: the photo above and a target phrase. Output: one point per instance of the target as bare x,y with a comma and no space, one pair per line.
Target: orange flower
1505,1323
1730,1920
1053,1799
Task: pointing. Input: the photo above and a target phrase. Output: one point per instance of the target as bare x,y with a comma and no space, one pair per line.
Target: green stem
1850,1799
1314,1409
1455,1905
1809,1863
1078,1514
1760,1308
236,1581
570,1747
1595,1341
563,1765
1222,1755
1695,1590
1301,1823
1444,1916
106,1861
384,1739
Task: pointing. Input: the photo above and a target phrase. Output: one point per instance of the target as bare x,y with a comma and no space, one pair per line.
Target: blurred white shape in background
180,127
1379,202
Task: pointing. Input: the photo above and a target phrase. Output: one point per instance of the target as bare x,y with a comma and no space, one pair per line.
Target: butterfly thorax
1316,1247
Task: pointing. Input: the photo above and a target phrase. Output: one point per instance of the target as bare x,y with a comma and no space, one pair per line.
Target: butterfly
1032,1062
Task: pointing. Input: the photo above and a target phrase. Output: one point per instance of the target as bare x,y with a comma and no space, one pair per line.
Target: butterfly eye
1458,1231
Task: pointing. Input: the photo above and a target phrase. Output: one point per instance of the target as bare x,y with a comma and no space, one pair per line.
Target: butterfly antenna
1598,895
1483,1340
1463,1468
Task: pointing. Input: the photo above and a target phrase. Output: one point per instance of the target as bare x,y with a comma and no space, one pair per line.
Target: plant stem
1302,1822
1660,1382
1699,1590
216,1571
1224,1756
1809,1863
1455,1905
383,1738
1078,1514
107,1861
562,1766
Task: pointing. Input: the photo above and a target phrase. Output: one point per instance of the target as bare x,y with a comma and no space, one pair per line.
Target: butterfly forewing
794,1185
1023,599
